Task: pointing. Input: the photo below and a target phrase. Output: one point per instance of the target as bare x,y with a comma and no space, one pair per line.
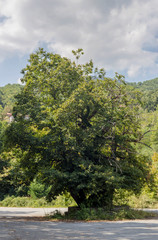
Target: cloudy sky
119,35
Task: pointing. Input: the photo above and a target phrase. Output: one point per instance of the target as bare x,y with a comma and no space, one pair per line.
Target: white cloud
119,35
19,81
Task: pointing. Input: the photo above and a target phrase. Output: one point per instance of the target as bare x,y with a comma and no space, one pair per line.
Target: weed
88,214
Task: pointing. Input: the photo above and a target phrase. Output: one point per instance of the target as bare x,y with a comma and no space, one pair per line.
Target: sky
119,35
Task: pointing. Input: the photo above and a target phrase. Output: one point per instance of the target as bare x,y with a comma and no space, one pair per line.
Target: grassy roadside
61,201
88,214
78,214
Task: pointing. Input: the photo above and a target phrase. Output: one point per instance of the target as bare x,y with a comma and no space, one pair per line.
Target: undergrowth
89,214
147,199
12,201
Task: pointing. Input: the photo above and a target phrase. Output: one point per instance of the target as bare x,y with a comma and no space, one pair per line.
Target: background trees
77,132
7,99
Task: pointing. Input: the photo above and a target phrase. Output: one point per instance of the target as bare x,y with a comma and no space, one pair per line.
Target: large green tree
77,131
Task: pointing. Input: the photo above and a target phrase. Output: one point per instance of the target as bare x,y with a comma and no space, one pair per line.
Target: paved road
10,212
19,224
42,230
28,212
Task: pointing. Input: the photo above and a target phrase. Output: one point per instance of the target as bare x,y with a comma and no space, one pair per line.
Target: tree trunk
79,197
102,199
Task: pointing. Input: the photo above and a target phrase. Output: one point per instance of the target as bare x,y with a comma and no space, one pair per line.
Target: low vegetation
61,201
92,214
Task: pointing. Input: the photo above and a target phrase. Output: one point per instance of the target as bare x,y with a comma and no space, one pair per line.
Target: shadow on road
37,230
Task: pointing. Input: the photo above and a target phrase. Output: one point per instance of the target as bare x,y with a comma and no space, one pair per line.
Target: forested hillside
148,85
149,91
7,99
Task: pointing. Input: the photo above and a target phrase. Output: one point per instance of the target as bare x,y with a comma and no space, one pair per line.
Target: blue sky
10,69
119,35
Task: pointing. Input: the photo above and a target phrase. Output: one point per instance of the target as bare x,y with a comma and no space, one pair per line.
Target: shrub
38,190
88,214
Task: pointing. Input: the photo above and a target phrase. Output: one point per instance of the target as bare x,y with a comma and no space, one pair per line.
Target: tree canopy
77,130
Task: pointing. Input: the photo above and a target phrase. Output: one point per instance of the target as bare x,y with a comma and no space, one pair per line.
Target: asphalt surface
28,212
42,230
27,226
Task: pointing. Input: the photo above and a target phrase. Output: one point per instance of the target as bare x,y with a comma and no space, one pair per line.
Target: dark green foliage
1,96
90,214
80,133
5,184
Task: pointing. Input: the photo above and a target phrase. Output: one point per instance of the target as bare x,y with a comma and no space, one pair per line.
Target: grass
12,201
91,214
147,199
23,202
83,213
143,201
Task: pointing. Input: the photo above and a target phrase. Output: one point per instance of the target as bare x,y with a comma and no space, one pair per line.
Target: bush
23,202
146,199
64,200
88,214
61,201
38,190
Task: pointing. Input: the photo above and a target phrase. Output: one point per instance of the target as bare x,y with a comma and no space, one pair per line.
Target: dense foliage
149,91
7,99
76,133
